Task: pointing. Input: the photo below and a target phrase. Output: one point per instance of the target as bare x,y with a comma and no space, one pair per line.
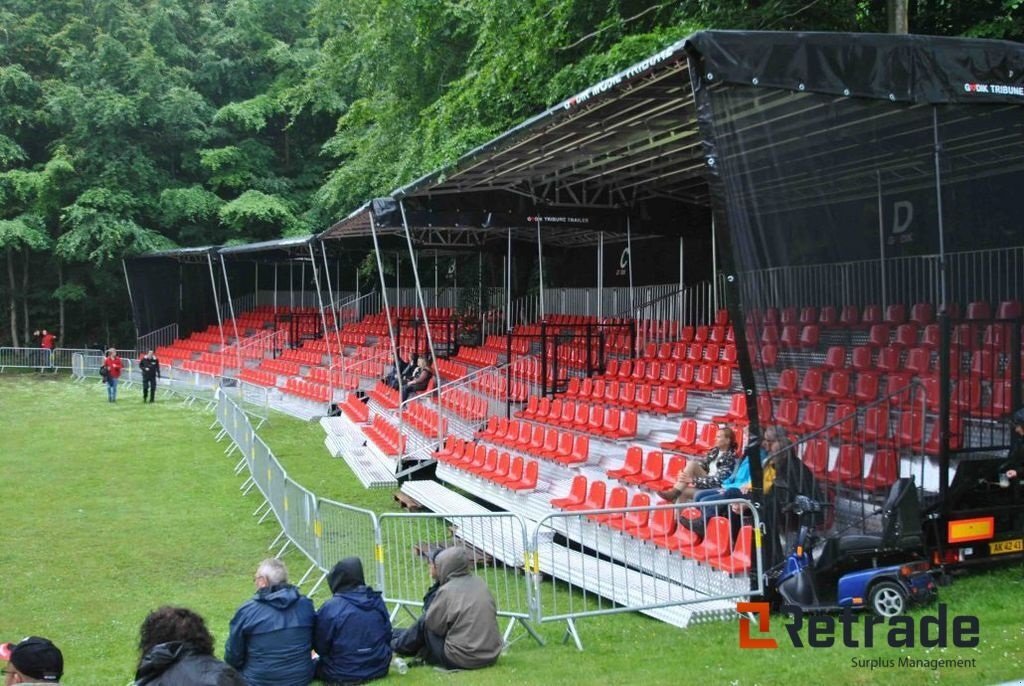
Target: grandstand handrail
165,335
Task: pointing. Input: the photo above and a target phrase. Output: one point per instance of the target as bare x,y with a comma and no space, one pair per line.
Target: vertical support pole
600,276
291,284
275,291
131,303
256,285
714,269
881,241
231,309
216,300
426,320
943,302
323,317
435,279
302,285
543,357
629,264
945,364
508,285
682,285
334,311
387,311
540,268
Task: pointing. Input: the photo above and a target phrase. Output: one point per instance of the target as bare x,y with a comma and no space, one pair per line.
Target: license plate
1015,545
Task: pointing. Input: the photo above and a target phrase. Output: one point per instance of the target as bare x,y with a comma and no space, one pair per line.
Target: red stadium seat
849,467
739,559
652,469
576,496
816,456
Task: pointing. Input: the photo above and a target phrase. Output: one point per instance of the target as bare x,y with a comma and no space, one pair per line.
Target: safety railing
165,335
59,358
991,275
671,573
670,561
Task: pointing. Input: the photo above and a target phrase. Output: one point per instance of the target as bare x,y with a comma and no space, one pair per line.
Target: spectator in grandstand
270,639
149,365
738,483
353,630
705,473
33,660
1014,463
403,370
419,383
176,649
113,366
459,627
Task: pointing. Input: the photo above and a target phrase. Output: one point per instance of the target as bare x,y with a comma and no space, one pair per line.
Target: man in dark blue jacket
271,636
353,630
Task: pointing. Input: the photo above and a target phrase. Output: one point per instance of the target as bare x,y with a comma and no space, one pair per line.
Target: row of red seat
425,420
561,446
386,437
852,316
651,473
609,422
495,385
689,442
690,352
499,344
198,367
303,357
279,366
334,377
529,368
661,527
258,377
467,405
849,467
477,356
307,390
515,473
355,409
654,398
385,395
706,376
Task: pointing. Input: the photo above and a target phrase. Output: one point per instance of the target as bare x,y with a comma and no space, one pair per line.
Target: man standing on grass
34,660
149,365
271,636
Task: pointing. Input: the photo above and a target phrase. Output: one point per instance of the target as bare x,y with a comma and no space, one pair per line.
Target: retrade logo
763,623
940,630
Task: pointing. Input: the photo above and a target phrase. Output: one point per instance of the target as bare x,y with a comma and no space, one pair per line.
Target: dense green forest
132,125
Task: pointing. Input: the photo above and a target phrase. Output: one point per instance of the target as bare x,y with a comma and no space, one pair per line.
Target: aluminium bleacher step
607,579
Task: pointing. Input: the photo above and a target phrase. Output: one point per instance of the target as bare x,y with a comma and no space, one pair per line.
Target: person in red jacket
113,364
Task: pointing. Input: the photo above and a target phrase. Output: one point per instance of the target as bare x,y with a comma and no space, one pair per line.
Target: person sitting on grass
459,625
270,640
705,473
353,629
176,649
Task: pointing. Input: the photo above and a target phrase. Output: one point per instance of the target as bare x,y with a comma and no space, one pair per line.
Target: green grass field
109,511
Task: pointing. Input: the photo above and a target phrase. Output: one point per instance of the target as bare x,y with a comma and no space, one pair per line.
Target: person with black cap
353,629
33,660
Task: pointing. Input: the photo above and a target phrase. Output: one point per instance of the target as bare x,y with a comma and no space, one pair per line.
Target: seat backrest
687,431
717,538
617,497
653,465
851,462
835,357
596,496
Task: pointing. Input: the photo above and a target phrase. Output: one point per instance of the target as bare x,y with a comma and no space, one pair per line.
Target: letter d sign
763,622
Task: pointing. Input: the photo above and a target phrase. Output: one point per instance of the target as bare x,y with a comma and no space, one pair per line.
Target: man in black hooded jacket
353,630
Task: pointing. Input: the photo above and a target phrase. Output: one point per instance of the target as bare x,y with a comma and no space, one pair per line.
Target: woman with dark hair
709,472
176,649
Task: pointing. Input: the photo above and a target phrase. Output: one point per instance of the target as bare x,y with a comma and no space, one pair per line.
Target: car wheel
887,599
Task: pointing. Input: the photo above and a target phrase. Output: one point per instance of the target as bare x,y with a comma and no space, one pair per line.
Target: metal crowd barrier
606,570
664,575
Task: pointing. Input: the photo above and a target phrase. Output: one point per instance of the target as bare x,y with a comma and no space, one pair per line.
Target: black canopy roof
634,143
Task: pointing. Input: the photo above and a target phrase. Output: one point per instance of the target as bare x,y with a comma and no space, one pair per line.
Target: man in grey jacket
459,626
